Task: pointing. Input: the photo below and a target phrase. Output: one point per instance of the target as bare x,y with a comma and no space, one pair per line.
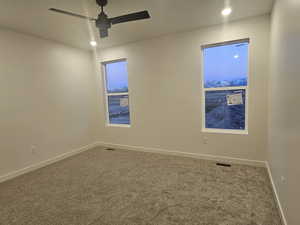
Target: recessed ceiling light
93,43
236,56
226,11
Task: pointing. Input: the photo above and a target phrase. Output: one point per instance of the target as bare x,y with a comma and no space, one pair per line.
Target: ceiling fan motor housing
103,21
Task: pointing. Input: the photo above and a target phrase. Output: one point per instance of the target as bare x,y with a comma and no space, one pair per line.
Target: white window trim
106,95
246,88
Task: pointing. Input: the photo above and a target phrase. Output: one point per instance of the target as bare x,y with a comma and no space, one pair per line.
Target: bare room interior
149,112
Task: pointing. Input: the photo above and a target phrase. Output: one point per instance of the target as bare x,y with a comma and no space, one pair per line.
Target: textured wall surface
284,124
165,92
47,95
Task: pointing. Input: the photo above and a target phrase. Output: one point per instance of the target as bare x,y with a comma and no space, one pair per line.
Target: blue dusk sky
116,75
227,62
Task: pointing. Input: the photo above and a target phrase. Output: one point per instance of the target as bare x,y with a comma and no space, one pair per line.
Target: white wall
165,92
284,126
47,99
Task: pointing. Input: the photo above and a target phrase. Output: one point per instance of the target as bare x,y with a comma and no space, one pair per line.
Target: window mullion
117,94
226,88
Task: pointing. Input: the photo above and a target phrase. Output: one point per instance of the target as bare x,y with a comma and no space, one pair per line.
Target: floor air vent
223,164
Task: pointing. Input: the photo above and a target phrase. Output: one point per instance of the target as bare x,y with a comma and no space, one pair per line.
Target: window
225,87
116,92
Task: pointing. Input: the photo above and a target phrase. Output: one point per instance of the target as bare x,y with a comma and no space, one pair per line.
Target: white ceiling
168,16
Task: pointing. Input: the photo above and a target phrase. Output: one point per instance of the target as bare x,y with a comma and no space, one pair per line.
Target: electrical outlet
205,140
282,179
33,149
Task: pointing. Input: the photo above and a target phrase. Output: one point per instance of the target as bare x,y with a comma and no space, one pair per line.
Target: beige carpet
120,187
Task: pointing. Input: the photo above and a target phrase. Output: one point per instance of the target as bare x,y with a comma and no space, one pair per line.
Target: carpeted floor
120,187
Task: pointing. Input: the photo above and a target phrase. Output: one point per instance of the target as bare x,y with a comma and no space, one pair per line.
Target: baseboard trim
186,154
47,162
280,209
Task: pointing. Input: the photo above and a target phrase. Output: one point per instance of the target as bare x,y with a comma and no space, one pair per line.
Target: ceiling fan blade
130,17
71,14
103,33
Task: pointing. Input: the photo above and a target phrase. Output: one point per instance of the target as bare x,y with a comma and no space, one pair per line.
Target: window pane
116,77
118,109
225,109
226,66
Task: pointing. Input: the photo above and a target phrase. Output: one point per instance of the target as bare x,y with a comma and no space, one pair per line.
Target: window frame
246,88
107,94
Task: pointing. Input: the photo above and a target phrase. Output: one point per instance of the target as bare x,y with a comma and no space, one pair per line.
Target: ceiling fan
103,22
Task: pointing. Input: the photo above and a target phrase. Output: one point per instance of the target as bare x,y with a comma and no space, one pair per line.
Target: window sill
118,125
225,131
